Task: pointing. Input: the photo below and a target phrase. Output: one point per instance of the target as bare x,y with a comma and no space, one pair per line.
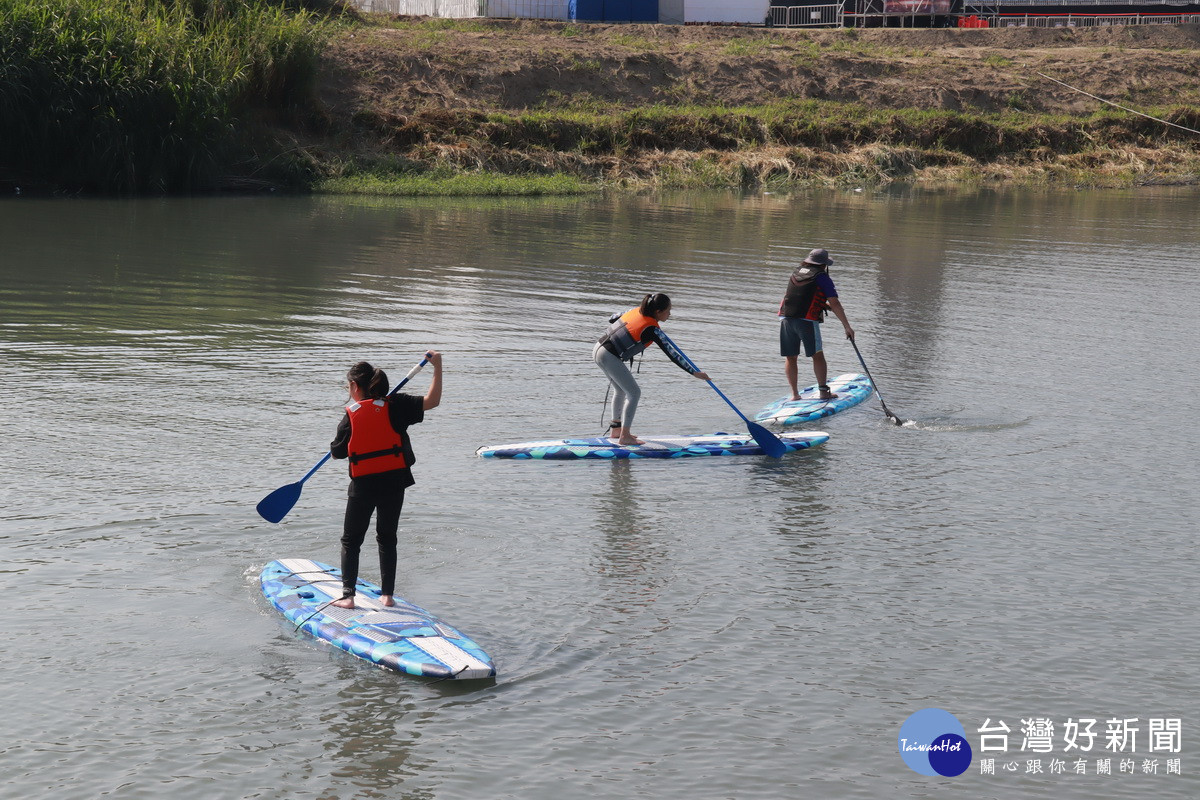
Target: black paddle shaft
886,410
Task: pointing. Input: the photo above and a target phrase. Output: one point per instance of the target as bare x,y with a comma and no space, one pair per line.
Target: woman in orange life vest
373,434
627,336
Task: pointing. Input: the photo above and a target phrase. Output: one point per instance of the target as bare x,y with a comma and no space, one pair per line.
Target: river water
1021,553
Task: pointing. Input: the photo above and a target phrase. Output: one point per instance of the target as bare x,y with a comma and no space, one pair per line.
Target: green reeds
447,183
143,95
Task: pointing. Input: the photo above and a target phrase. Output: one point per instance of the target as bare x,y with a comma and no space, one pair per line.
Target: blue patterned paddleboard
403,637
714,444
851,389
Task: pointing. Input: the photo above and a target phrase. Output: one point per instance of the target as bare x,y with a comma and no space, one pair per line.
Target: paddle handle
882,404
410,374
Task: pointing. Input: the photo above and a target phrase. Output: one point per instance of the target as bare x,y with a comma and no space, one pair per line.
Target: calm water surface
1022,549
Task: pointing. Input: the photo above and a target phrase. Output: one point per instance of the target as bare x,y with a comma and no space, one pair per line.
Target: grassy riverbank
158,95
655,106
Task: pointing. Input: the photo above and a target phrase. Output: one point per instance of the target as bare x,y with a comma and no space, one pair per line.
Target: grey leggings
625,401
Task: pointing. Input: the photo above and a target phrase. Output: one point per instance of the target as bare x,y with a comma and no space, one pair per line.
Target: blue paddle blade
769,442
278,503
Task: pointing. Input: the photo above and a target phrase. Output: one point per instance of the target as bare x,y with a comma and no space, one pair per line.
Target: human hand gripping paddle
769,442
891,417
278,503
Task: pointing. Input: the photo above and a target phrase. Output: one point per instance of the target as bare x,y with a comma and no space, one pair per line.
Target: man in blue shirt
810,293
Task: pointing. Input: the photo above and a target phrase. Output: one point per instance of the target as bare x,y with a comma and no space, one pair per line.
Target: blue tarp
614,10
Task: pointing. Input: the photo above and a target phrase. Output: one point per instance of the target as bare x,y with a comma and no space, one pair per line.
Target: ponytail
654,303
370,381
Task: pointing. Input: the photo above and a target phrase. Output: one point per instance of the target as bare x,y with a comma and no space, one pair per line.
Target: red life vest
625,335
375,446
803,297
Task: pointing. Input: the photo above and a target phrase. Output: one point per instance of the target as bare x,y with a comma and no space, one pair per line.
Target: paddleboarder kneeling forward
809,294
627,336
373,435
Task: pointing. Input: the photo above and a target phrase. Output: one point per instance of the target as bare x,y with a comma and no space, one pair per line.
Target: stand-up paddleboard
403,637
851,389
714,444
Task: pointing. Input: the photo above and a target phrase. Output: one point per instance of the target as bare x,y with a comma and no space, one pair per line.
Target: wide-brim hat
819,257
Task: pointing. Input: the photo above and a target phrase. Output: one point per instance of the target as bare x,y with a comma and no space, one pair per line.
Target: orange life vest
624,337
375,446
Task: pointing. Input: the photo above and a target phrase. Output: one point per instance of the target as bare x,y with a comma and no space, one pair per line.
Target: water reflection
794,490
375,738
374,741
632,558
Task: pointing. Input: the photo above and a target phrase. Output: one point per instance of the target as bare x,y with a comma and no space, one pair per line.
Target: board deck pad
402,638
851,389
713,444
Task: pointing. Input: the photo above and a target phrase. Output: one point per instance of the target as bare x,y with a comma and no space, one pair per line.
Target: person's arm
650,333
433,397
340,446
835,306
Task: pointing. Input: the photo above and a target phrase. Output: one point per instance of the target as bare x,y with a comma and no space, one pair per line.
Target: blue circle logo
933,742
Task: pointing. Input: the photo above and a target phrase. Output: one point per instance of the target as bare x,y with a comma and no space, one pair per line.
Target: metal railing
829,16
1091,20
1093,3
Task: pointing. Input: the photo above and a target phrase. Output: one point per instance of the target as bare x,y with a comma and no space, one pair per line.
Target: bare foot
628,440
793,398
386,600
345,602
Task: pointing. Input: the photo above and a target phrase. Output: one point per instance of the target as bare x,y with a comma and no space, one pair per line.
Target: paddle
278,503
890,415
769,442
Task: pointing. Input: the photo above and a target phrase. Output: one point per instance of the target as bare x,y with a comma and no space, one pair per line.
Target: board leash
452,675
604,409
303,572
318,610
608,389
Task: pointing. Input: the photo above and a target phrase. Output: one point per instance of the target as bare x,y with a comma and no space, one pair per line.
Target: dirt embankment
513,96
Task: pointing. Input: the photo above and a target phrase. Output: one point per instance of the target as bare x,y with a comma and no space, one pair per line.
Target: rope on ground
1118,105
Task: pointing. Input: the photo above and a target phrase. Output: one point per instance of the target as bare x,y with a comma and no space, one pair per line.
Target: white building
673,12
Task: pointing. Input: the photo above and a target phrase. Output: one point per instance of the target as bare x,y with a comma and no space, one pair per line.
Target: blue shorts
795,331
